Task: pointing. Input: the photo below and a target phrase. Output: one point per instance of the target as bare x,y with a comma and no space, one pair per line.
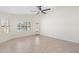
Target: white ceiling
20,9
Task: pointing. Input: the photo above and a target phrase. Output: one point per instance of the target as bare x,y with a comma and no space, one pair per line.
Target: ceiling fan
41,10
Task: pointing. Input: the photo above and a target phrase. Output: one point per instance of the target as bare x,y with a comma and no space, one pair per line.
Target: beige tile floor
38,44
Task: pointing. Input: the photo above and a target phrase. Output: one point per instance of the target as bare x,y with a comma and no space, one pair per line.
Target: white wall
61,23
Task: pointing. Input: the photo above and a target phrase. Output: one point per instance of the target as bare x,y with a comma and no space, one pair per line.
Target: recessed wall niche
4,25
23,25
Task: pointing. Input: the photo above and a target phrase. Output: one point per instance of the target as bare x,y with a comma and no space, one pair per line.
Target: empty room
39,29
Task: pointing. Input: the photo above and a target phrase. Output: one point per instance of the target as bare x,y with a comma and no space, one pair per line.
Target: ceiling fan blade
37,13
46,9
43,12
39,7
